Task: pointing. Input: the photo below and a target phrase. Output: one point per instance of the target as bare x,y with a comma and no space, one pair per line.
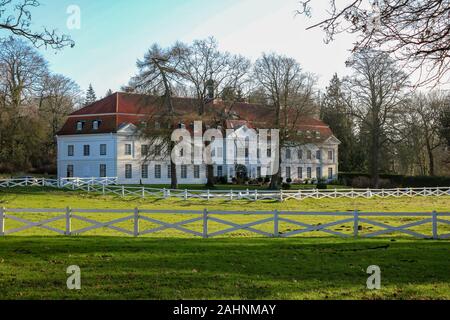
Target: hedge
397,180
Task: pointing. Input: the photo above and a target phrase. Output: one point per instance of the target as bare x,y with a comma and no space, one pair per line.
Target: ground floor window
103,171
319,173
258,172
157,171
196,171
128,171
183,171
169,172
70,171
144,172
308,172
219,171
300,172
330,173
288,172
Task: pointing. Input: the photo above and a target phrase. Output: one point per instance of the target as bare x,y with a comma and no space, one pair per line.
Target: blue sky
114,34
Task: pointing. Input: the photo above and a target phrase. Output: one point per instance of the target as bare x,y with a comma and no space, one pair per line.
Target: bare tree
424,111
208,73
15,17
415,32
157,74
58,98
376,88
289,91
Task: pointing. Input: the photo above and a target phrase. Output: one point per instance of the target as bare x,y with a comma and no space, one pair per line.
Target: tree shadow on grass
247,268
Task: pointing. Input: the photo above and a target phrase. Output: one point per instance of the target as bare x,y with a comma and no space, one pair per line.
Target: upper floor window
308,155
95,124
70,150
128,149
103,149
318,154
80,125
144,150
220,152
288,153
86,150
300,154
158,150
330,155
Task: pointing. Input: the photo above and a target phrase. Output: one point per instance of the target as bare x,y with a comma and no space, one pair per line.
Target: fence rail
204,217
109,186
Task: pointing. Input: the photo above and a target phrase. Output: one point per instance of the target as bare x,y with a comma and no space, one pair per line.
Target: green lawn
241,265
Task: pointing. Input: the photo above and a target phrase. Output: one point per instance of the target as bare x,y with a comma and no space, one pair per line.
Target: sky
114,34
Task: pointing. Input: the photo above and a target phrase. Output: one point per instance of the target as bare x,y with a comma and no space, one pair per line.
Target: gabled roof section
119,109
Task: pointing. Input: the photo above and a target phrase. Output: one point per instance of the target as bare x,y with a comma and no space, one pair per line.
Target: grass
171,265
241,268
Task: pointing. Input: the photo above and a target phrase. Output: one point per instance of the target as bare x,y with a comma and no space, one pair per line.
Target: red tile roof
121,108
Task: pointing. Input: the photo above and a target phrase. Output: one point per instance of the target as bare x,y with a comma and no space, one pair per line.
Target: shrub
289,180
361,182
286,186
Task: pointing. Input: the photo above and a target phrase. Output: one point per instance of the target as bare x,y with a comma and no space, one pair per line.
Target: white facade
120,155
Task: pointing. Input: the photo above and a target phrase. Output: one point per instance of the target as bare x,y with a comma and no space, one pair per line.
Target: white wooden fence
109,186
274,218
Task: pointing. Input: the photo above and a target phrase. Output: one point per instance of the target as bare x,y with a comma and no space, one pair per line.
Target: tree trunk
430,159
375,159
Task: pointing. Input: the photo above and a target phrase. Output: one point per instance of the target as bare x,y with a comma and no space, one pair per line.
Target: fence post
276,232
123,191
136,222
185,194
2,221
68,221
208,194
256,194
435,226
281,195
164,193
103,189
355,223
205,223
143,192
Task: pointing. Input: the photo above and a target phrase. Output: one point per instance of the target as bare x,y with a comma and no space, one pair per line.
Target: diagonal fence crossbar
275,222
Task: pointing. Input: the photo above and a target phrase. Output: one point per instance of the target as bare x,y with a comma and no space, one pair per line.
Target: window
258,153
157,171
288,172
183,171
103,149
269,153
128,171
300,172
86,150
308,172
157,150
144,171
181,152
318,154
70,150
246,152
102,170
308,155
70,171
300,154
258,172
128,149
330,173
319,173
330,155
95,124
144,150
288,153
196,172
169,172
80,125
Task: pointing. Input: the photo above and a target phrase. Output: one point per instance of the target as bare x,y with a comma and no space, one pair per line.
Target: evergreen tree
90,96
109,93
334,112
